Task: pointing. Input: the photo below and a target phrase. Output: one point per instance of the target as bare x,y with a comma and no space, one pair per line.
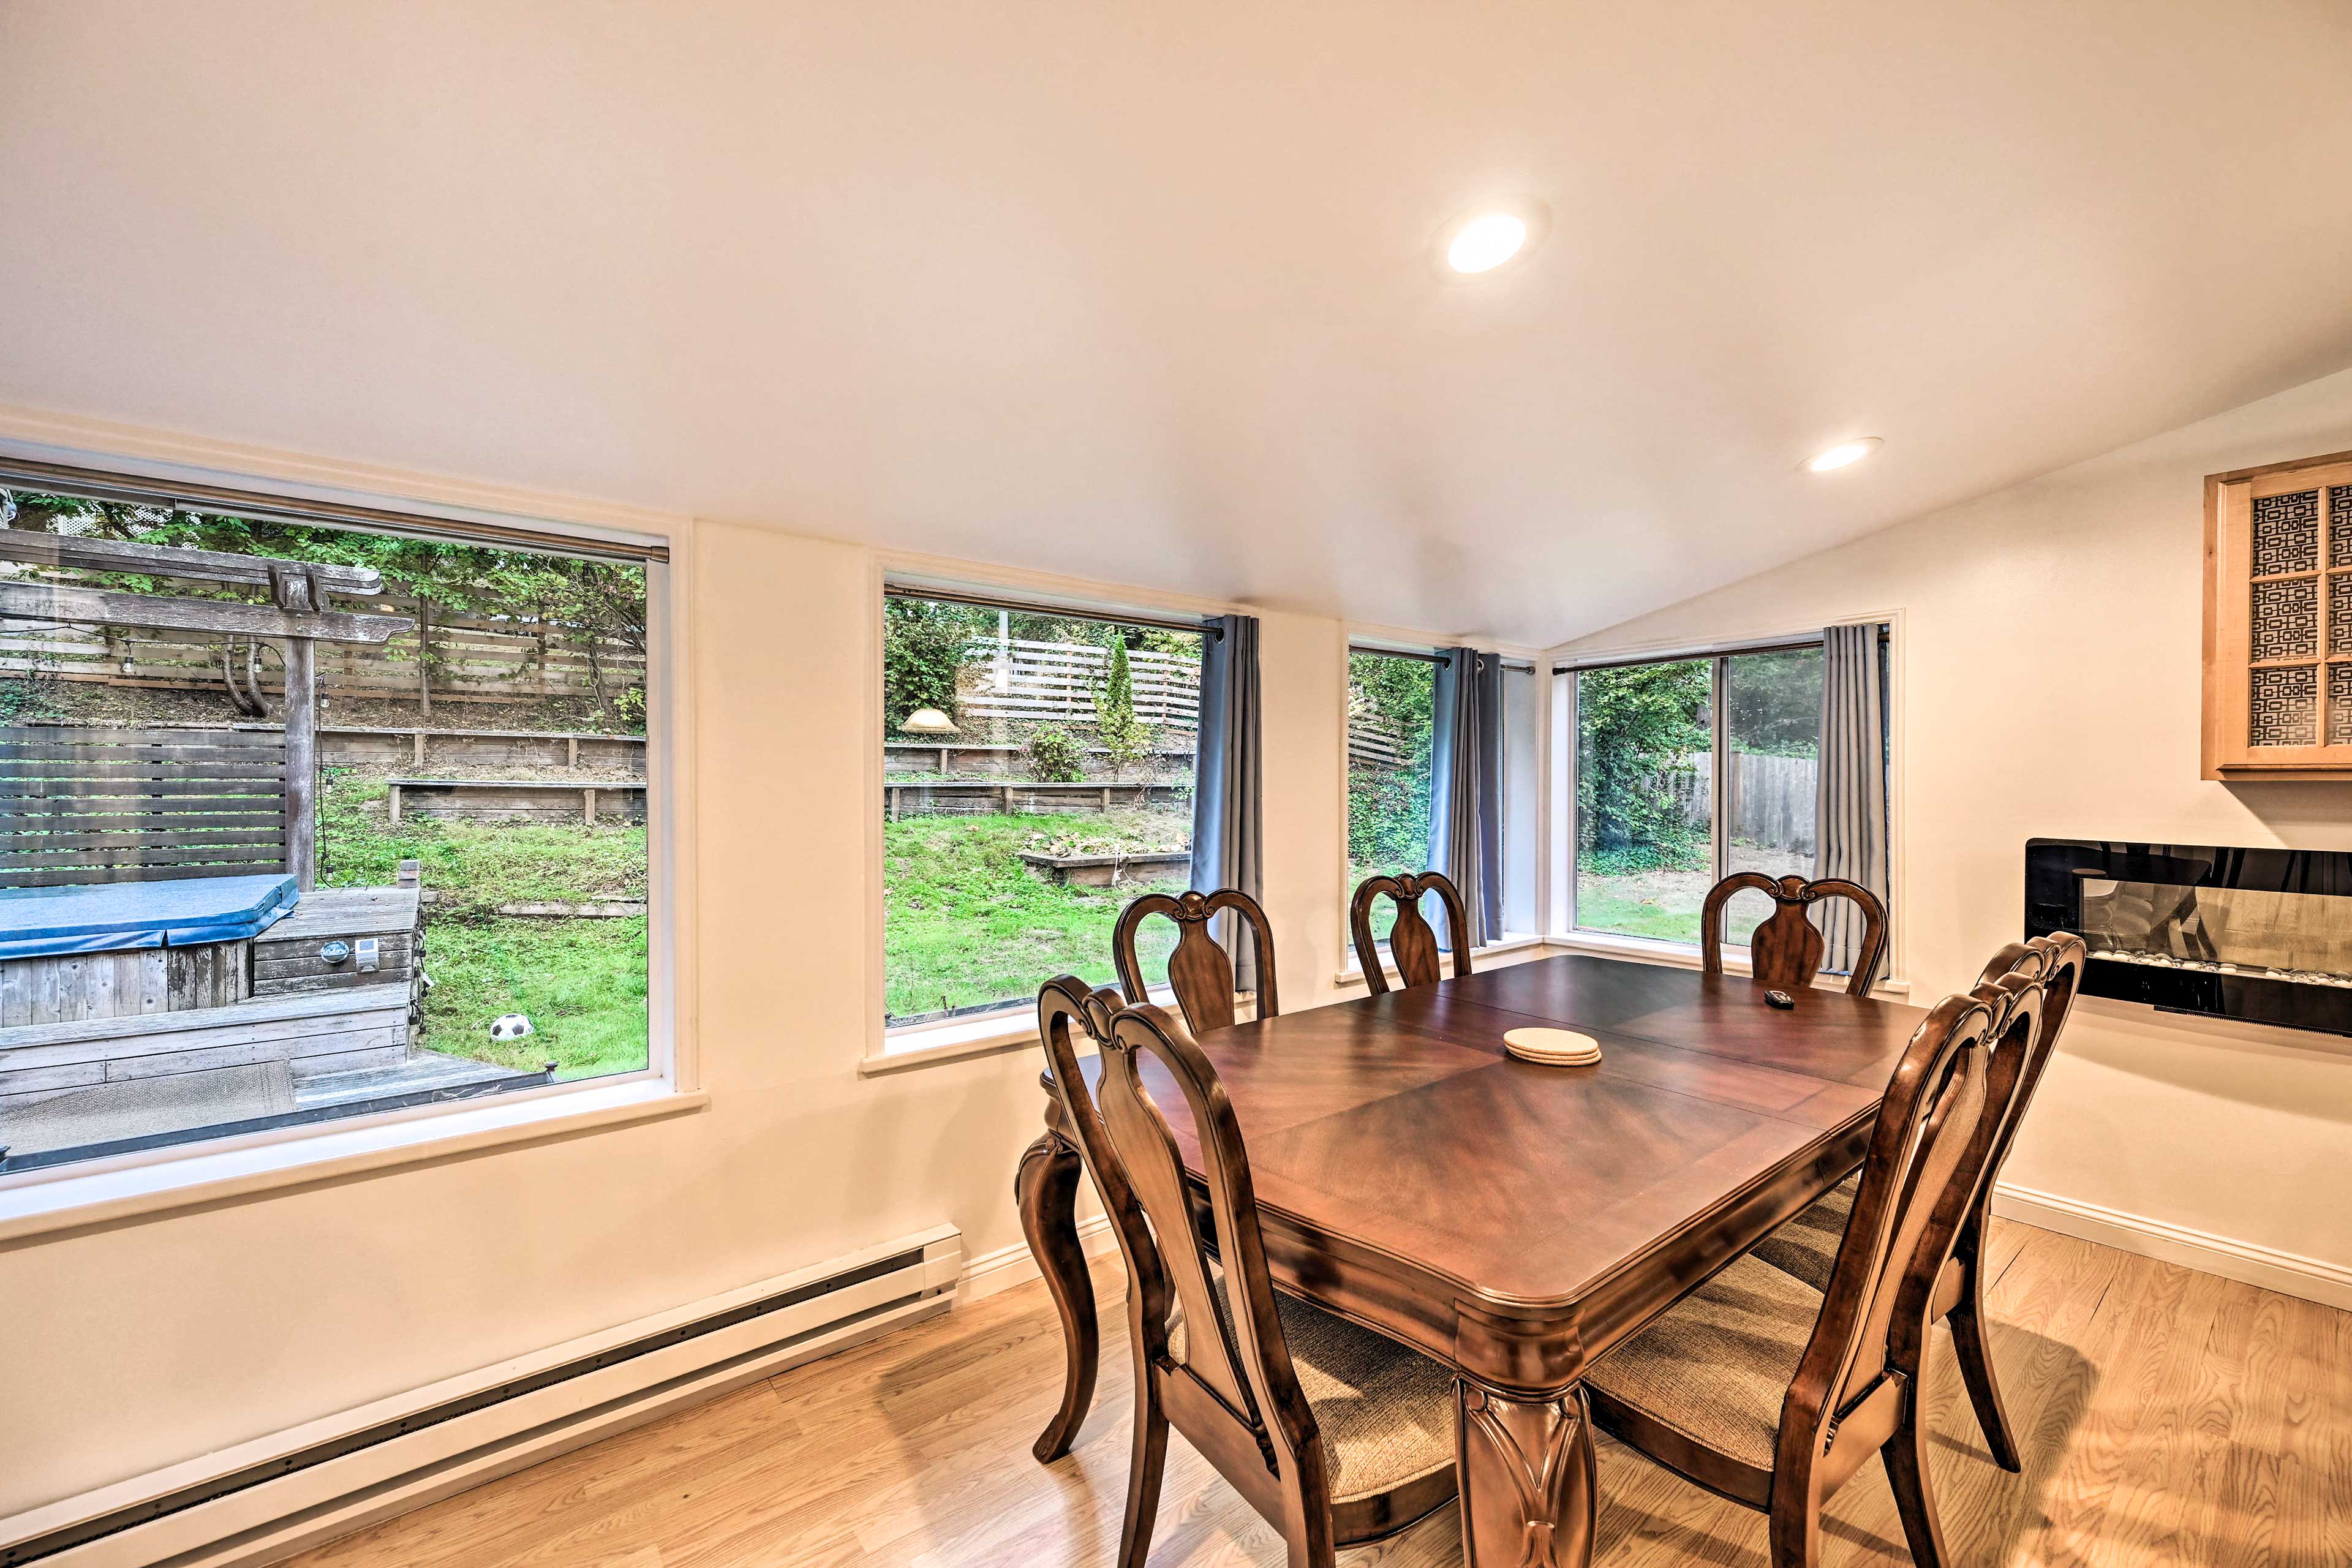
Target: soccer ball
510,1026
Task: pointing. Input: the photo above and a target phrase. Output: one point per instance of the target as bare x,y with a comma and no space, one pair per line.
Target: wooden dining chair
1807,1246
1412,944
1200,972
1786,950
1772,1393
1334,1434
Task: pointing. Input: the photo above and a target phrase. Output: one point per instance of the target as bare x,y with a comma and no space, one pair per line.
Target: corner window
1689,770
310,821
1038,767
1391,719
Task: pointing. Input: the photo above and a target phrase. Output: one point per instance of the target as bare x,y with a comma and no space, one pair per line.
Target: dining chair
1412,944
1770,1392
1807,1246
1200,972
1786,950
1334,1434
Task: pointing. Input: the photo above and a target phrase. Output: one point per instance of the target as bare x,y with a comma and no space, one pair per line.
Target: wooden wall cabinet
2278,621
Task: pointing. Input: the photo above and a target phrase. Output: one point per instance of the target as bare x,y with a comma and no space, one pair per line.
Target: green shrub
925,645
1125,738
1054,756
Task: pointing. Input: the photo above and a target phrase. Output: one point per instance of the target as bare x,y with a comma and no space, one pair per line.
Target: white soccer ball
511,1027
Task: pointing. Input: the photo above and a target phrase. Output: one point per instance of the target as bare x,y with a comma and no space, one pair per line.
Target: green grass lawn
1663,903
965,923
582,982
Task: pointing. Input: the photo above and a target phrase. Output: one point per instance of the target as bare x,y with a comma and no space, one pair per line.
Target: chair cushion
1807,1246
1386,1412
1717,1366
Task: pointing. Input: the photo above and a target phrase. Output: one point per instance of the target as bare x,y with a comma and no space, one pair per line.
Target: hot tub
119,917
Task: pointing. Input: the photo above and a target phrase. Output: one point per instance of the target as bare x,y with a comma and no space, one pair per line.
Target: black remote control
1780,999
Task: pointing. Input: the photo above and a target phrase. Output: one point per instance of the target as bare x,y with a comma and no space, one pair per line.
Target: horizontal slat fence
87,804
473,658
1057,681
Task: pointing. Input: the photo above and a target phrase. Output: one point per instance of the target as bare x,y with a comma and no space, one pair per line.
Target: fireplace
2259,934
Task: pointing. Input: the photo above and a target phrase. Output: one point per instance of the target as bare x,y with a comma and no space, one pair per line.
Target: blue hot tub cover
37,921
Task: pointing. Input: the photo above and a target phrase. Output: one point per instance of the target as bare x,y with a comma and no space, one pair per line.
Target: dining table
1512,1220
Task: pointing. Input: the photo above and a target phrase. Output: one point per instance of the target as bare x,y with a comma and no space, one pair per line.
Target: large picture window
1688,770
307,821
1038,769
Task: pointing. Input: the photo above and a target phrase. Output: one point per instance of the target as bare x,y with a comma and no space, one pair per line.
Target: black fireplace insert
2259,934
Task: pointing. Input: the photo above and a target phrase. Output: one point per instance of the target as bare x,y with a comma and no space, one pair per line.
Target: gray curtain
1849,822
1466,788
1228,819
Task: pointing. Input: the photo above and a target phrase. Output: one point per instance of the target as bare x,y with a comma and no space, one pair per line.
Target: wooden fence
471,658
118,805
1772,798
1056,682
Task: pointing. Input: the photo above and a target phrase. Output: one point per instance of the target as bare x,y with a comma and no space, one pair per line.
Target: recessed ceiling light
1485,242
1841,455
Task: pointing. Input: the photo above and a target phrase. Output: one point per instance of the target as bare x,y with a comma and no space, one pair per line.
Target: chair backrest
2056,961
1786,950
1067,1007
1199,972
1412,944
1238,1356
1927,1148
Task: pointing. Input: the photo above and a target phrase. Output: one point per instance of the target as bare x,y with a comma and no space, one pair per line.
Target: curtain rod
90,484
1724,650
1203,627
1425,657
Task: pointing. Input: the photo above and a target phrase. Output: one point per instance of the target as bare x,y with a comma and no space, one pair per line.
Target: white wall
2049,678
146,1342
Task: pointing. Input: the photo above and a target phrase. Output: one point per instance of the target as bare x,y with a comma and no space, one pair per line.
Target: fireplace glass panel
2302,937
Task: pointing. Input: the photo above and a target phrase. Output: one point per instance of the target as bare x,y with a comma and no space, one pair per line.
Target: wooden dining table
1511,1220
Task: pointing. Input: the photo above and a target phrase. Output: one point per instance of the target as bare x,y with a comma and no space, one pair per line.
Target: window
310,821
1651,838
1038,768
1391,716
1392,723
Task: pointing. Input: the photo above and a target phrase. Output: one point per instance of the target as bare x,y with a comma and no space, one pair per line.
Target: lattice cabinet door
2278,621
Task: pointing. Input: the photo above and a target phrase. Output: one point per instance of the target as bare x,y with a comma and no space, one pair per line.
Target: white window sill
71,1197
1012,1030
1353,974
1684,955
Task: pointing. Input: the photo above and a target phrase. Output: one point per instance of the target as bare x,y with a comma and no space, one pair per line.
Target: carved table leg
1527,1493
1047,1187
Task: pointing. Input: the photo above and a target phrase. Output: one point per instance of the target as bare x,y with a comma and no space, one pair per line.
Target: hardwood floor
2167,1417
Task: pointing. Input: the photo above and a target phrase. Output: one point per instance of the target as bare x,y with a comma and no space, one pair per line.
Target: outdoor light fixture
1842,454
928,721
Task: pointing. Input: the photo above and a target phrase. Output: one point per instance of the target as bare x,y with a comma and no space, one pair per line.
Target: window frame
1014,1026
1354,639
111,463
1566,762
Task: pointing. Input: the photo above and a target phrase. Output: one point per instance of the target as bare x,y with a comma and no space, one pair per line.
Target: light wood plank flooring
2168,1417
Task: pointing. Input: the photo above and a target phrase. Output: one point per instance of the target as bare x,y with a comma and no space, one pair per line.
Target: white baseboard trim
2288,1273
1009,1266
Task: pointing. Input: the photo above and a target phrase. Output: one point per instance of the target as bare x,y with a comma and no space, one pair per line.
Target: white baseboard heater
264,1501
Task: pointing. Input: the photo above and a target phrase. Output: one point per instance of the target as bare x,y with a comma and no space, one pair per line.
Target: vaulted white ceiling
1147,293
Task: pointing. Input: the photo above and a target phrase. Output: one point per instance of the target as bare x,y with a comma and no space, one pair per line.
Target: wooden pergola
297,618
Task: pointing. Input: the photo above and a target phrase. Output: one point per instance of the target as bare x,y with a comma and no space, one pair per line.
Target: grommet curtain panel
1228,812
1465,786
1850,821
